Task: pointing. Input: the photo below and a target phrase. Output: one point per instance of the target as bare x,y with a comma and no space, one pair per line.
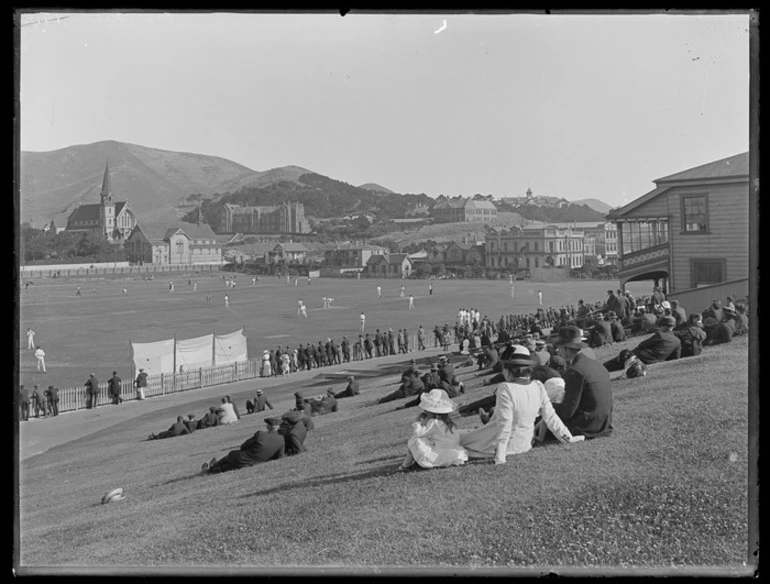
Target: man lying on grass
263,446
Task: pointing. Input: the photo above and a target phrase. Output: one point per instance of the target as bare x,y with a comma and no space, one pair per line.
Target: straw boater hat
610,315
729,310
665,304
273,421
437,401
571,337
443,358
520,356
434,366
114,495
259,392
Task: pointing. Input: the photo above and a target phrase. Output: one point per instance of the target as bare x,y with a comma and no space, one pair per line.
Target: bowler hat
572,337
273,421
668,321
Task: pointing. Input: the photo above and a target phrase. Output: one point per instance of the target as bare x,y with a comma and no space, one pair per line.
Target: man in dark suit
210,420
601,332
92,391
114,385
294,432
661,346
261,447
259,404
52,393
350,390
587,405
323,405
412,385
38,401
177,429
616,327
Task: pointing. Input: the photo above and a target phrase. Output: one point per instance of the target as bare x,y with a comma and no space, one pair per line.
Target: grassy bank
666,491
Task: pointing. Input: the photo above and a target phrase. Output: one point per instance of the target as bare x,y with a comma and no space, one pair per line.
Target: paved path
37,436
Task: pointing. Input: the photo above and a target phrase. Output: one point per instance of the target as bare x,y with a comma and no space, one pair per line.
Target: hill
374,187
152,180
595,204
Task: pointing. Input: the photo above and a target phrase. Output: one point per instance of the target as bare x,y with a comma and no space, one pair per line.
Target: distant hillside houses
288,217
536,201
463,209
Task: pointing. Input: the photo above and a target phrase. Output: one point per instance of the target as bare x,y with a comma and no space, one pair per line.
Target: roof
85,213
392,258
292,247
481,204
159,231
731,166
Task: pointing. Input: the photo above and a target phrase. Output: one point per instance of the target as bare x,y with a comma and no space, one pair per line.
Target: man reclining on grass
176,429
323,404
261,447
294,432
351,389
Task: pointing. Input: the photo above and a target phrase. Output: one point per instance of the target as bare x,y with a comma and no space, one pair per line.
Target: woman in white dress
436,440
511,428
267,370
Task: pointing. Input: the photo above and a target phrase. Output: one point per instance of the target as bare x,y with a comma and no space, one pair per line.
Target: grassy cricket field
666,493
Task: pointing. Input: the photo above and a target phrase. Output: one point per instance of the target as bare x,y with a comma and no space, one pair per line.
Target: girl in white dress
436,440
511,428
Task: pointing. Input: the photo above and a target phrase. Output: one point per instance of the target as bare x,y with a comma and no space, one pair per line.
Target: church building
112,220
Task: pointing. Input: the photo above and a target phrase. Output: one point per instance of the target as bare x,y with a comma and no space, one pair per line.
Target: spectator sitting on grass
661,346
191,423
235,407
691,336
261,447
323,404
518,402
299,406
550,378
741,320
259,404
209,420
351,389
724,330
226,412
294,432
177,429
412,385
435,442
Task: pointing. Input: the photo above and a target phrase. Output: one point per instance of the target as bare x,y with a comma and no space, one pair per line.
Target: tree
438,270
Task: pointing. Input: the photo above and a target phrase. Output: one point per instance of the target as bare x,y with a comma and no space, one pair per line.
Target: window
695,217
537,262
704,272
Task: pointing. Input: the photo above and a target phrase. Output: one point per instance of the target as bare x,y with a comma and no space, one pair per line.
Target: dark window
695,217
706,272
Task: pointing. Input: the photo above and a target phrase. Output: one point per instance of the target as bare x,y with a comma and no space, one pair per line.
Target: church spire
106,185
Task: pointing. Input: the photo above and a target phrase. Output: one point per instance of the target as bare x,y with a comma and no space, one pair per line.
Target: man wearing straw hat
586,408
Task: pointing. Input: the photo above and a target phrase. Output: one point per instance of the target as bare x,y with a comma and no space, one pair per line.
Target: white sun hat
437,401
113,495
554,387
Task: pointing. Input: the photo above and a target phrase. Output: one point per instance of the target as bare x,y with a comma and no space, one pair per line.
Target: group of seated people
566,405
223,414
283,436
414,383
526,410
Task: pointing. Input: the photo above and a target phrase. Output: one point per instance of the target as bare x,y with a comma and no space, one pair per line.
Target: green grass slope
666,491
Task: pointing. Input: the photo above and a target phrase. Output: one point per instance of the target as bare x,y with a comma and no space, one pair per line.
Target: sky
574,106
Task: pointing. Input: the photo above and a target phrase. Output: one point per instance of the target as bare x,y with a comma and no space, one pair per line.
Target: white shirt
40,353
